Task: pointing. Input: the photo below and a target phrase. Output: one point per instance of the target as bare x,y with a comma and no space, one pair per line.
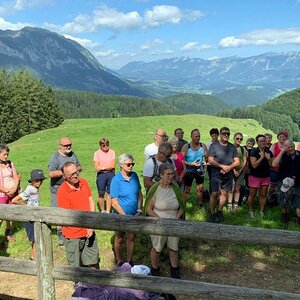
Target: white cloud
4,25
111,18
106,53
151,44
162,14
194,46
263,37
83,42
168,51
10,6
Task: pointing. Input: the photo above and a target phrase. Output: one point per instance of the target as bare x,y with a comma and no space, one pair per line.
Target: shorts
82,251
240,179
256,182
4,199
53,200
274,176
29,227
159,241
103,182
190,176
218,183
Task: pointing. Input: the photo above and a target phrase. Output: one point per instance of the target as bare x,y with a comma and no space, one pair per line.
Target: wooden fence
46,272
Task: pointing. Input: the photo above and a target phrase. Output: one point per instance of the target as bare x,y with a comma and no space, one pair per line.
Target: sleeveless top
194,155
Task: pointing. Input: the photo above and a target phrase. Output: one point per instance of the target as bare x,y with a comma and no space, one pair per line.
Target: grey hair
163,167
4,147
173,139
125,156
163,147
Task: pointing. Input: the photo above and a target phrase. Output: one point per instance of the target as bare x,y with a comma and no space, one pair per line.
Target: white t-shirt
149,167
150,149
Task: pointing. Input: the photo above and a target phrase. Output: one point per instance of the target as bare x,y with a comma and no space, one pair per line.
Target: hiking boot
212,218
9,235
175,273
119,264
251,214
154,272
220,216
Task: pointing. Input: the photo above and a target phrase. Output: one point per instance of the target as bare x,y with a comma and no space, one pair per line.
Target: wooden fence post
44,261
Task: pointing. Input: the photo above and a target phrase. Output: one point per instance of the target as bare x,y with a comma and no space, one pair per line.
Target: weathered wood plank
167,285
44,261
185,229
17,266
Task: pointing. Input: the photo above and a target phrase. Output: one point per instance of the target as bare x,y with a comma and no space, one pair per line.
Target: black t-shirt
263,169
289,166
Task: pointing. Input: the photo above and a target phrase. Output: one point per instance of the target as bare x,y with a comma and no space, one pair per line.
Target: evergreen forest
27,105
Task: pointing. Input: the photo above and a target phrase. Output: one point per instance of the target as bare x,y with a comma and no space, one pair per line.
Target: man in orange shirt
80,243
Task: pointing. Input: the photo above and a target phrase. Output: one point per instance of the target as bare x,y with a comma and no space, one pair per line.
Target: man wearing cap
223,157
56,162
288,161
159,137
80,243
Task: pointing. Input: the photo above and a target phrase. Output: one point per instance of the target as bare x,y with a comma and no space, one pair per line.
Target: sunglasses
225,133
167,156
162,135
75,174
104,145
67,145
239,139
129,164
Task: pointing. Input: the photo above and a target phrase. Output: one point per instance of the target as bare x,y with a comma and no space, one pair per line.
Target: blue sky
120,31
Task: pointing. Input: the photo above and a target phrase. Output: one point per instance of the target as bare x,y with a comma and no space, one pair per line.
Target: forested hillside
282,112
287,103
196,103
27,106
77,104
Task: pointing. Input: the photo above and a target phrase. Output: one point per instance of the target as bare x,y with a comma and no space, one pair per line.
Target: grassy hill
196,103
200,260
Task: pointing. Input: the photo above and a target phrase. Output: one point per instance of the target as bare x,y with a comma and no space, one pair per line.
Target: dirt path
243,271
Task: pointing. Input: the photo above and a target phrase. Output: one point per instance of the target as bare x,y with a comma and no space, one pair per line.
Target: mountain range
58,61
232,79
65,64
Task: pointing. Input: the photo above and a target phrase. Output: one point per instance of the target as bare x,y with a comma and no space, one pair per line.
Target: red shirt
71,198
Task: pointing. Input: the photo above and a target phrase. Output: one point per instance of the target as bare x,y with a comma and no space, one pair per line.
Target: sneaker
285,220
230,207
251,214
9,236
235,207
154,272
212,218
262,214
220,216
175,273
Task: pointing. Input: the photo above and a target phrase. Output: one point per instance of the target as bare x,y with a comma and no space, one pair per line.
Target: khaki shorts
82,251
159,241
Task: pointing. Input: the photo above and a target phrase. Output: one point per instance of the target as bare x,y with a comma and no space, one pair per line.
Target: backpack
155,175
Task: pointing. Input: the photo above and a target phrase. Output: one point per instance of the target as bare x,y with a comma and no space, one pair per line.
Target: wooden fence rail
46,272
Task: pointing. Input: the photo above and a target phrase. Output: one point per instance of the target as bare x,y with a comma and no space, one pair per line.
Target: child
31,197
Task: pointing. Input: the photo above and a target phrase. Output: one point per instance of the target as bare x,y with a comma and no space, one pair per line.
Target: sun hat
287,183
36,174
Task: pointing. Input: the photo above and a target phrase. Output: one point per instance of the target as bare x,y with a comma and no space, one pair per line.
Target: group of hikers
172,164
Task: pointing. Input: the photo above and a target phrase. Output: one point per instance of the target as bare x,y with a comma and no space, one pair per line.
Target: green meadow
131,135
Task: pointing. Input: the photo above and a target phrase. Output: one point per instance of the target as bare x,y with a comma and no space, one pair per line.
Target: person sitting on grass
31,197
